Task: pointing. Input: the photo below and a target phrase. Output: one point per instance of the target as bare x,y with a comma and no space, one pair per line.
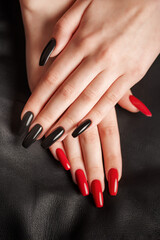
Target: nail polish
82,182
140,105
96,190
26,122
63,159
53,137
47,52
113,181
81,128
32,135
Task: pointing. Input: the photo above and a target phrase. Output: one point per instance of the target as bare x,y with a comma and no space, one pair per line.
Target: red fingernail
82,182
63,159
113,181
140,105
96,190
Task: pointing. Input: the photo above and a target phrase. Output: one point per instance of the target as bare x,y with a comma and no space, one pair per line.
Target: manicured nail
81,128
32,135
96,190
113,181
63,159
53,137
47,52
26,121
82,182
140,105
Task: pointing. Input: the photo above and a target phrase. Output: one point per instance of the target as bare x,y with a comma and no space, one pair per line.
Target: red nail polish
140,105
63,159
113,181
96,190
82,182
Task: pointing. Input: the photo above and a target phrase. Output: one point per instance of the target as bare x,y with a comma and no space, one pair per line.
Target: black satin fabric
38,199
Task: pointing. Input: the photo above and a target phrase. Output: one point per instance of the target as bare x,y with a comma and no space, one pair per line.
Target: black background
38,199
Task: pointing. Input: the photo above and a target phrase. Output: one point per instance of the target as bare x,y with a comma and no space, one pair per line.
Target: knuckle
97,114
109,130
138,72
67,92
111,97
70,121
89,137
50,79
61,24
83,42
89,95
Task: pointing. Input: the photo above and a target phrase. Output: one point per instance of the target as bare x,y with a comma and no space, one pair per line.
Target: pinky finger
110,140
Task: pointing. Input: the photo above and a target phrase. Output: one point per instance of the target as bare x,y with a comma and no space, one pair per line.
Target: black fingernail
47,52
32,135
26,121
81,128
53,137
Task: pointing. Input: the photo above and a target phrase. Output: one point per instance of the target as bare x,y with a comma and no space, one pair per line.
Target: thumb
63,30
125,102
133,104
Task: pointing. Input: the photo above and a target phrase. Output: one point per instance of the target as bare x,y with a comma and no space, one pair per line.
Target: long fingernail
81,128
140,105
82,182
113,181
32,135
63,159
96,190
47,52
53,137
26,121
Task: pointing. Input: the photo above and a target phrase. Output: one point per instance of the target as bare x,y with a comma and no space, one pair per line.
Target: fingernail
32,135
82,182
26,121
113,181
53,137
140,105
96,190
47,52
63,159
81,128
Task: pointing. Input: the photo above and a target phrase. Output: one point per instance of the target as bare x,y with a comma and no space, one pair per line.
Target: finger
125,102
91,149
105,104
73,150
110,140
79,108
65,95
63,30
59,153
59,70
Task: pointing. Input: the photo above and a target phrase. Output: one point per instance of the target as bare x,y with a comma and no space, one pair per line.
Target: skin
100,59
38,21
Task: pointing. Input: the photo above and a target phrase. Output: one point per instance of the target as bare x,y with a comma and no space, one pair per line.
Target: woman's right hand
84,154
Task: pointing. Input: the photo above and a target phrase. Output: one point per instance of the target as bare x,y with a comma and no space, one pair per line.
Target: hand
113,47
86,165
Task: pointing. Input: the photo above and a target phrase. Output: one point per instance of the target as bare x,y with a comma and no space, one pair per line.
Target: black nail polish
81,128
32,135
47,52
26,121
53,137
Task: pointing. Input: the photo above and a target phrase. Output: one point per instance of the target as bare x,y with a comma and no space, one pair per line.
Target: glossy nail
47,52
32,135
140,105
82,182
63,159
81,128
26,121
96,190
53,137
113,181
